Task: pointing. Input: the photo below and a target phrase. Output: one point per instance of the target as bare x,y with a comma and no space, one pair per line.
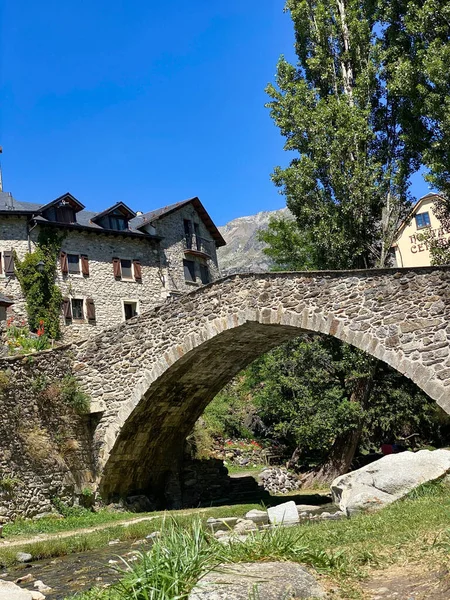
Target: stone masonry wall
101,285
45,447
13,236
172,229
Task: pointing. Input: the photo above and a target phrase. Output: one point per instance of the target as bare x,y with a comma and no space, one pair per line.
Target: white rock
11,591
382,482
41,587
258,516
244,525
37,596
283,514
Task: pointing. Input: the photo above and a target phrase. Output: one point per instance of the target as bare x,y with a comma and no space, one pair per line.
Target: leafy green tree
355,138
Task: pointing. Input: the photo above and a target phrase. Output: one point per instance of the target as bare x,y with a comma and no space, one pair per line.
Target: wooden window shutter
85,265
116,267
90,310
137,270
67,308
1,263
8,257
64,263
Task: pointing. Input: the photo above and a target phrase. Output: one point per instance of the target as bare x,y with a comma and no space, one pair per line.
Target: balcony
194,244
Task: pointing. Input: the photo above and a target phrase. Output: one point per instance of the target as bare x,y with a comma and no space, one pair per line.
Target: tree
349,110
355,137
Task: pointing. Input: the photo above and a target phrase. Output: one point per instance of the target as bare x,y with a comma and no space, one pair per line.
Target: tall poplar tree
357,138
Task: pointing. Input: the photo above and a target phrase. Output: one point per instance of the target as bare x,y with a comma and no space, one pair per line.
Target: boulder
260,517
243,526
24,557
283,514
11,591
382,482
266,580
222,524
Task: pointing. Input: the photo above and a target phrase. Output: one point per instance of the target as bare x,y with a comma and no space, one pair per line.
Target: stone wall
109,293
173,247
45,449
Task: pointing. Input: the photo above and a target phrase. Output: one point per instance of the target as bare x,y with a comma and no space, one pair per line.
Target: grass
416,528
51,548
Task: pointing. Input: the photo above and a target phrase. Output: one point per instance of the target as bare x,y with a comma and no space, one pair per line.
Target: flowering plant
20,340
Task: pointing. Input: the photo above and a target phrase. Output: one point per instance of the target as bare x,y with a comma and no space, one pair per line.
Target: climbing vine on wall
43,297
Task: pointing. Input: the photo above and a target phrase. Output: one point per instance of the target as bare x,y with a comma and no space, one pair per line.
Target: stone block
285,513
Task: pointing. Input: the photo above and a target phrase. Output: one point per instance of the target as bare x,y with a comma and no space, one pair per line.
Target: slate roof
85,218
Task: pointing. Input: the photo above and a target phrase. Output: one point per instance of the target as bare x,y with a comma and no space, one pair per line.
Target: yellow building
410,250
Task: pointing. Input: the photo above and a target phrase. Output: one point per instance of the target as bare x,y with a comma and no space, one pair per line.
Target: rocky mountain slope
244,252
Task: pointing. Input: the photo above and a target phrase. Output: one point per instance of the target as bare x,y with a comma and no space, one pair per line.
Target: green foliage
72,395
21,341
302,395
69,511
8,484
356,140
232,411
43,296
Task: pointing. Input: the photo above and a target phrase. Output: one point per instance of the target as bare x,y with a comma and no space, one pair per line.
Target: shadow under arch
146,439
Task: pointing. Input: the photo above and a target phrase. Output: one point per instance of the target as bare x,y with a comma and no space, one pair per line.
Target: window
77,309
189,270
126,268
64,213
188,233
118,223
204,274
130,309
73,263
423,220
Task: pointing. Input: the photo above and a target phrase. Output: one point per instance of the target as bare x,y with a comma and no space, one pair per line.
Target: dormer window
62,210
118,222
115,218
64,213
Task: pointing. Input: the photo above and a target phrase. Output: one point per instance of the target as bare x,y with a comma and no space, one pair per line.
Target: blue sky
144,102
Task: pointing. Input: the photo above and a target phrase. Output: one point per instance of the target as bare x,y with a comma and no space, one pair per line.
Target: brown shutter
116,268
64,263
9,262
1,263
85,265
90,310
137,270
67,308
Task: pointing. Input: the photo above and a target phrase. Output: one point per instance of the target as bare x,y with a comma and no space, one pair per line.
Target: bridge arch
154,375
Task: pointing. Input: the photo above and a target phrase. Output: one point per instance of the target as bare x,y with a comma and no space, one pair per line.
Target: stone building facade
113,265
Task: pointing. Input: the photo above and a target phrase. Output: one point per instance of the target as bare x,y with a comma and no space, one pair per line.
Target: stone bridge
151,377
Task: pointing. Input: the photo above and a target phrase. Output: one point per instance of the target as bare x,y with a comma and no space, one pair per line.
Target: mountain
244,252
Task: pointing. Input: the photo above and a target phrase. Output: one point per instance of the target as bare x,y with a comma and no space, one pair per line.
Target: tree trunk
345,445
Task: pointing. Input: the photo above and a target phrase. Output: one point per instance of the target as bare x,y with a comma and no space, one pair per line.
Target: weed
72,395
8,484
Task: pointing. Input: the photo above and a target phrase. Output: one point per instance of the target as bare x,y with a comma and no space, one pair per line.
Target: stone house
113,264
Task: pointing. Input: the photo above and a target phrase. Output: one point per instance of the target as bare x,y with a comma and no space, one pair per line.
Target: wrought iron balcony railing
197,243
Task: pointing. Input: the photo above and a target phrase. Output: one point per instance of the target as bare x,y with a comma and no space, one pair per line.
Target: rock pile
279,480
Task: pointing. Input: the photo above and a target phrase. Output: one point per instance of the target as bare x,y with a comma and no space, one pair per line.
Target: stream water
79,572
